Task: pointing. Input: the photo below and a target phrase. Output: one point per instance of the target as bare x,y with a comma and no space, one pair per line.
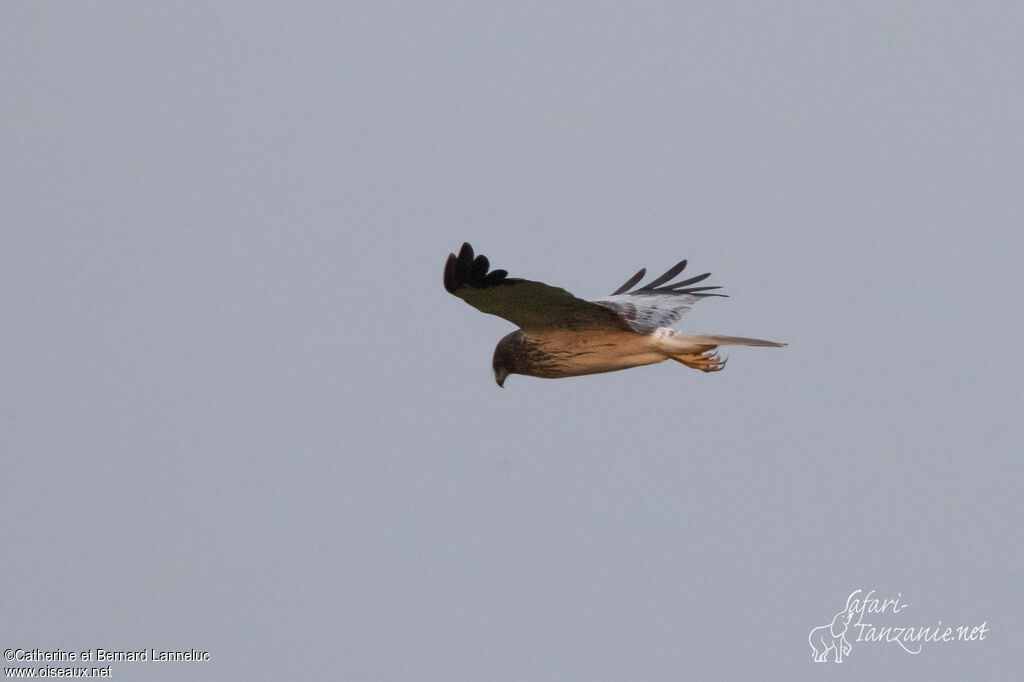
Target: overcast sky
240,414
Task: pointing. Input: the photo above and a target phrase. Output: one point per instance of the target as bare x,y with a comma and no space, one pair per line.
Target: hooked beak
499,378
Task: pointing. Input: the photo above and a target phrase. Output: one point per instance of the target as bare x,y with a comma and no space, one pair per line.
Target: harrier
560,335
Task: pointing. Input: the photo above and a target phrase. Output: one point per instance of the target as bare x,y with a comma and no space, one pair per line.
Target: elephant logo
832,637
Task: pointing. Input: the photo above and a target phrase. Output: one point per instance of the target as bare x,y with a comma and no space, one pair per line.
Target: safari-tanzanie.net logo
871,619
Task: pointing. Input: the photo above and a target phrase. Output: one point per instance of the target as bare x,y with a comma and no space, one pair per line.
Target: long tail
697,350
716,340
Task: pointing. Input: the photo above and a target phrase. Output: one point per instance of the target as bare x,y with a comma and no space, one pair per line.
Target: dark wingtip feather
697,290
672,272
688,282
630,282
450,283
494,277
464,263
655,285
469,271
479,268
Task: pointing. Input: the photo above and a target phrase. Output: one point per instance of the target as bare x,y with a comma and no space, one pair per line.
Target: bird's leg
705,362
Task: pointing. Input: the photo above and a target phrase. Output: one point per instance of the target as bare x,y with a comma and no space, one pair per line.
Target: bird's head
507,356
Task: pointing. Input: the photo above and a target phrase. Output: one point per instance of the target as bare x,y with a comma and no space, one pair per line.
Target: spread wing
656,304
528,304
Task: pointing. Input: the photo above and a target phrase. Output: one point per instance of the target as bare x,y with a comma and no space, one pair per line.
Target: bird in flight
560,335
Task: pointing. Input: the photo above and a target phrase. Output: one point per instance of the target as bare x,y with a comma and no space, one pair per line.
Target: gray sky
240,414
